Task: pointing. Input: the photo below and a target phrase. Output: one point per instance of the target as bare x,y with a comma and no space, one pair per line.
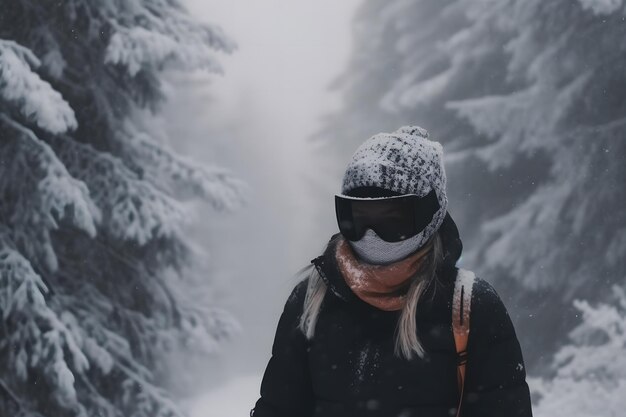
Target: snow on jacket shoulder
349,368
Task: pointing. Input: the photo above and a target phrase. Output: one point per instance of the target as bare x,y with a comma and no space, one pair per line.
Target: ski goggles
393,218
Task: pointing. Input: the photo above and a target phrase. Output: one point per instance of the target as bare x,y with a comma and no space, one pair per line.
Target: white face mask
374,250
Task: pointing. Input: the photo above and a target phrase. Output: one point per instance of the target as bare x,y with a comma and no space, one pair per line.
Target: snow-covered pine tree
565,237
94,267
528,99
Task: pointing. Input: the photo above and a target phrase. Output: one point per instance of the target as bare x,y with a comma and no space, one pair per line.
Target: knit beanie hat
406,162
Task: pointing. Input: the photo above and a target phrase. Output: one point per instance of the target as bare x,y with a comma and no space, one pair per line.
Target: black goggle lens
392,218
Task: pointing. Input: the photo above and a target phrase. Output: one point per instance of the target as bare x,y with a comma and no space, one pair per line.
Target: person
367,331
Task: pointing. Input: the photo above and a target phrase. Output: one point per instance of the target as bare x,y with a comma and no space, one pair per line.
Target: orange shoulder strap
461,303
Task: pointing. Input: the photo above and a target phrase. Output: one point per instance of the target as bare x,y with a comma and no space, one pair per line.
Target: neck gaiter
383,286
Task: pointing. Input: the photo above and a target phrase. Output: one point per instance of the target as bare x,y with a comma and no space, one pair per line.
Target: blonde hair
407,341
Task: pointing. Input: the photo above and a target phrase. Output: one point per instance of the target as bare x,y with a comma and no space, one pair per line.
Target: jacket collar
328,269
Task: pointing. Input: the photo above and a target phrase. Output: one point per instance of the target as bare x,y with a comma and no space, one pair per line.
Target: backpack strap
461,303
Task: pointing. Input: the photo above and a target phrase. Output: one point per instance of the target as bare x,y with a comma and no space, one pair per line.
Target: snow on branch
535,220
33,97
145,399
137,48
165,36
33,336
590,371
514,123
547,215
183,177
45,195
132,209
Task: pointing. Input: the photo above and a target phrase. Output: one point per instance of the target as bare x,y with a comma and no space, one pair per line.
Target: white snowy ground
234,398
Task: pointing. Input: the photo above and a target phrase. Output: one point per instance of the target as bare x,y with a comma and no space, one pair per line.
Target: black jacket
349,369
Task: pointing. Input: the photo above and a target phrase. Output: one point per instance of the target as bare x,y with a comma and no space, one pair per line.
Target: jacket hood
328,269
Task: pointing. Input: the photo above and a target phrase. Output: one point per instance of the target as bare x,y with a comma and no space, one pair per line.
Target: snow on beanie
405,161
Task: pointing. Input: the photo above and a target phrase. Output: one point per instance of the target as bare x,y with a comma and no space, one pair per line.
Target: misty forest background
152,220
